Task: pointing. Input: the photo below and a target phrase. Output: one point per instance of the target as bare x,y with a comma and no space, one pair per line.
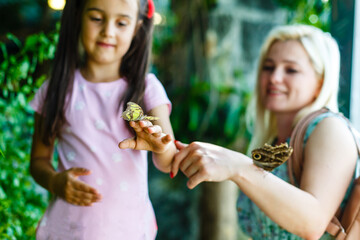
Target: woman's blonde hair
324,55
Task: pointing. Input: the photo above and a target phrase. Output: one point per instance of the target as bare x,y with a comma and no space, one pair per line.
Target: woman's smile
274,92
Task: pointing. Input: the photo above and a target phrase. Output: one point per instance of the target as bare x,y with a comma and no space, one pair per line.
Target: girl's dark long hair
67,59
135,62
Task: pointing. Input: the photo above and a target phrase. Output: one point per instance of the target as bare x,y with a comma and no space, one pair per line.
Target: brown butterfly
134,112
269,157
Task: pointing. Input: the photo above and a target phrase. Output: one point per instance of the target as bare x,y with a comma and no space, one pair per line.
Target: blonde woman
298,74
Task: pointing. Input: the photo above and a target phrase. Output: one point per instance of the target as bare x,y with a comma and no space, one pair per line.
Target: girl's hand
204,162
66,185
148,137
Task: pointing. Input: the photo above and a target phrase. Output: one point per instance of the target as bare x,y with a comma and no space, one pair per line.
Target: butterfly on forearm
269,157
134,112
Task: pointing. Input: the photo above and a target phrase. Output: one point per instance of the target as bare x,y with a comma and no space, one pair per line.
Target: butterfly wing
133,112
269,157
263,158
150,118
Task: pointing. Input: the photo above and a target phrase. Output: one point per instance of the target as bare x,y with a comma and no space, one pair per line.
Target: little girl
100,191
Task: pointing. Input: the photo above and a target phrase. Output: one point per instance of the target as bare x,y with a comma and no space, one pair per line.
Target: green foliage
22,201
311,12
210,112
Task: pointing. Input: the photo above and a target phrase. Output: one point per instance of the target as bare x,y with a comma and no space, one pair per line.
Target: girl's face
108,27
288,81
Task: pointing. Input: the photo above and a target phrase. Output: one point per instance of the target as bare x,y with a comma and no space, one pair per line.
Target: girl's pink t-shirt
90,140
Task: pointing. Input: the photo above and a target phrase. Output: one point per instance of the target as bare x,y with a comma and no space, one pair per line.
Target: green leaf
4,50
24,68
22,99
194,117
14,39
2,193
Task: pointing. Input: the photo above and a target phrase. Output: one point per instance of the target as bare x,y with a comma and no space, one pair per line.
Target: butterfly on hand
134,112
269,157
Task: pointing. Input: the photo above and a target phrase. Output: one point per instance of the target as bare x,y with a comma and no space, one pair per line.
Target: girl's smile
107,30
106,45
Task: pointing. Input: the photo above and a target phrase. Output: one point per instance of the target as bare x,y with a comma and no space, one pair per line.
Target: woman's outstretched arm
304,211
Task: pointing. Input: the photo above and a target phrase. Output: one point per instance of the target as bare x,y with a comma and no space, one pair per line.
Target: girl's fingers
153,129
128,143
76,172
145,123
140,125
80,186
83,187
147,127
157,135
84,196
166,139
135,126
80,202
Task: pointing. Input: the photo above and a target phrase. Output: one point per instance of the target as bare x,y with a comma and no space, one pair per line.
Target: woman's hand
148,137
205,162
66,185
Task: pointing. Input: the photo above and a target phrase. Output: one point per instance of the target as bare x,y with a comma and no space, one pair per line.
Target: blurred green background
204,52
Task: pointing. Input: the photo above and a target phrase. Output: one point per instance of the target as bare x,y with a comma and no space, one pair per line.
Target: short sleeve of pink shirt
155,94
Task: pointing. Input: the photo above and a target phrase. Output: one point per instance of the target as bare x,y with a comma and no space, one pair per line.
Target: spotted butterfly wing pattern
134,112
269,157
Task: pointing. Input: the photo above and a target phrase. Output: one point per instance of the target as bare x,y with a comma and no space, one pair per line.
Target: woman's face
108,27
288,81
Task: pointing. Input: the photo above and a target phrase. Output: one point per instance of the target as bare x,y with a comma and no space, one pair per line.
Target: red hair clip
151,9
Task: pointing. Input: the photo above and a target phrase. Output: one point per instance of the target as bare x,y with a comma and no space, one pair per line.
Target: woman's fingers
188,164
195,180
179,145
179,156
191,166
200,162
